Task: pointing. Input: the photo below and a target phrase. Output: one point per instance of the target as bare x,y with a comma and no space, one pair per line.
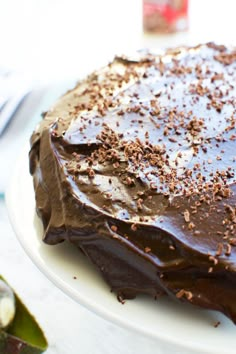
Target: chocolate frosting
136,167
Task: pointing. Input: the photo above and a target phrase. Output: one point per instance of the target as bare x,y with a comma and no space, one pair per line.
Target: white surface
58,39
66,37
178,325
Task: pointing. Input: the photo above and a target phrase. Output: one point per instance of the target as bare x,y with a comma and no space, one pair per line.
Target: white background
62,38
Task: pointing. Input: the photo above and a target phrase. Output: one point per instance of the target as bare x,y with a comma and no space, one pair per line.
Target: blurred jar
165,16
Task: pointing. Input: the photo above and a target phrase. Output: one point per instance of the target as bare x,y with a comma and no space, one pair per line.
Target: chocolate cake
136,167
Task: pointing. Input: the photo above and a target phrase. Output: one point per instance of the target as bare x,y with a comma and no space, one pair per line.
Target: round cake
135,166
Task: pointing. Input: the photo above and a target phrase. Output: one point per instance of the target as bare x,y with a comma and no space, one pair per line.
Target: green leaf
23,336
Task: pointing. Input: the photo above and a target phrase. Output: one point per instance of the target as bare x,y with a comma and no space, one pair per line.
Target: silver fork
14,87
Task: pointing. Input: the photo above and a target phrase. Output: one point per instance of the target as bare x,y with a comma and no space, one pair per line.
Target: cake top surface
148,142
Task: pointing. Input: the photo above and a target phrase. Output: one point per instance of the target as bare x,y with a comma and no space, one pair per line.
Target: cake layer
136,167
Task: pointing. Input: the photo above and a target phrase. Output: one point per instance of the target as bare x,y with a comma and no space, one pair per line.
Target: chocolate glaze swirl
136,167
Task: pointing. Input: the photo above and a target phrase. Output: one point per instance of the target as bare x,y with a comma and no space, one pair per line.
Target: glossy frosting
136,167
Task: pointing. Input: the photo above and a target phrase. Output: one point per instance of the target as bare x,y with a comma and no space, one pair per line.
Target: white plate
187,328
